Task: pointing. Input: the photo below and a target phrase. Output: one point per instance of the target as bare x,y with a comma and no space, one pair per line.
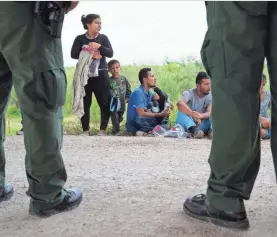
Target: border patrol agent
32,60
240,36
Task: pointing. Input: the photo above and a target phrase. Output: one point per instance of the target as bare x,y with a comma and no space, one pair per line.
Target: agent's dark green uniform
240,36
32,61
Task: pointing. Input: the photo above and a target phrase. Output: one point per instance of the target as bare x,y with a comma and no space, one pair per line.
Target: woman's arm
106,47
76,48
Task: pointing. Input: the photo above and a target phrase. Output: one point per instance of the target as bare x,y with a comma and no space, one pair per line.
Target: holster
51,14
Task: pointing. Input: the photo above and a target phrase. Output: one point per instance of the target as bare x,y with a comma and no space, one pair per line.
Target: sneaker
6,193
150,134
71,200
115,131
210,134
20,132
119,134
141,133
198,134
102,133
85,133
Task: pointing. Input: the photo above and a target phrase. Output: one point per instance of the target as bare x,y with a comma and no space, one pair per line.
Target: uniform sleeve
186,96
76,48
106,47
139,100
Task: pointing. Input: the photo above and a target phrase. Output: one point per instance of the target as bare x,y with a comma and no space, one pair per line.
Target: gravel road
133,187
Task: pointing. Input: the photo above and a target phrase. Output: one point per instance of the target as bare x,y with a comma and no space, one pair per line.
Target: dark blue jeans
143,124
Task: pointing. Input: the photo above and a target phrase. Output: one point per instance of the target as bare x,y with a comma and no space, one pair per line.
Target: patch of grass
73,126
13,124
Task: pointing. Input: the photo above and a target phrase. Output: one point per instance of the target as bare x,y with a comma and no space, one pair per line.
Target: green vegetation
173,78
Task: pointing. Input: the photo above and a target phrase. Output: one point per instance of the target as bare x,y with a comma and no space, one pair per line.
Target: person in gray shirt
265,105
194,108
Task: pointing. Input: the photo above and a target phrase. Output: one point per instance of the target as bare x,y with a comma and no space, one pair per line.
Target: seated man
141,120
194,108
264,116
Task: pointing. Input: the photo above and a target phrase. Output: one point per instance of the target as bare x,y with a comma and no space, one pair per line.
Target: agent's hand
73,4
94,45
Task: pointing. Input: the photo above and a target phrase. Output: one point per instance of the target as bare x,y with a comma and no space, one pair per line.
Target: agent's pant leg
233,54
5,90
36,61
272,69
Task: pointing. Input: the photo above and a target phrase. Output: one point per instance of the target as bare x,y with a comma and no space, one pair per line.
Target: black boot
197,207
71,200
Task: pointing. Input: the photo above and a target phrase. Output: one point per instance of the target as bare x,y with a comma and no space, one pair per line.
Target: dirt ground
133,187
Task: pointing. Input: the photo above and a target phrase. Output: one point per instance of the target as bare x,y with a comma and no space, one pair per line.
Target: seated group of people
149,106
194,107
146,108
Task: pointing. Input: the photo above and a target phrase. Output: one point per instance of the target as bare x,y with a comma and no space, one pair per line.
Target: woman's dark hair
200,76
88,19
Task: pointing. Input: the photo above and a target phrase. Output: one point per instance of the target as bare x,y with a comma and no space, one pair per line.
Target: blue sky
142,31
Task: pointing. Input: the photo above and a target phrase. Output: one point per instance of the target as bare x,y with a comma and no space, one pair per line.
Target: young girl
160,101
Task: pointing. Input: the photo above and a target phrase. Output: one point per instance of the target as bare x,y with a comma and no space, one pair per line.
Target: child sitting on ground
120,91
160,101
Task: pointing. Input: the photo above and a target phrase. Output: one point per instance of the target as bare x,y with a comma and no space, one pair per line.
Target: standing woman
97,85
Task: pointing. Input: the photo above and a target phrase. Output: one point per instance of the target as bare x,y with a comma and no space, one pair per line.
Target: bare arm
266,123
207,114
183,107
142,113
